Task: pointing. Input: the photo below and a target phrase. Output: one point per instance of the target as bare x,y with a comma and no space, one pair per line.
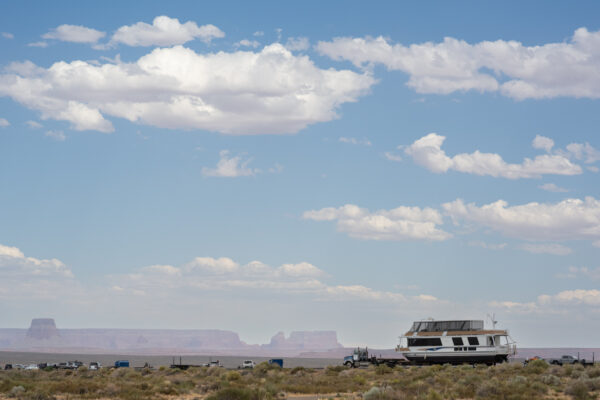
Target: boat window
424,342
441,326
490,341
457,341
473,341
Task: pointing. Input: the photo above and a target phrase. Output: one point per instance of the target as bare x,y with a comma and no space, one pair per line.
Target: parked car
94,366
31,367
566,359
247,364
212,364
8,366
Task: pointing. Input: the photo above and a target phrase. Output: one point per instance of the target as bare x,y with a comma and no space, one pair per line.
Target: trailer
361,358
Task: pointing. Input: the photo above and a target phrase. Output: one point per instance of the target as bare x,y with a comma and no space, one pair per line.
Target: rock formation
43,336
42,329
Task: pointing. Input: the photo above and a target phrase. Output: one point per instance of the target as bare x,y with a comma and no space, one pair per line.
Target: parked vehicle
94,366
214,364
8,366
277,361
122,364
31,367
361,358
247,364
568,359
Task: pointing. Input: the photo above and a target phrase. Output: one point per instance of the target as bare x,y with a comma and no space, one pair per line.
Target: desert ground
537,380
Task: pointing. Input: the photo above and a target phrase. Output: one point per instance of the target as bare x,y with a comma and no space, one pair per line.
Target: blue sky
265,167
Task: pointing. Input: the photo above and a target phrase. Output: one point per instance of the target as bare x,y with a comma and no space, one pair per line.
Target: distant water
9,357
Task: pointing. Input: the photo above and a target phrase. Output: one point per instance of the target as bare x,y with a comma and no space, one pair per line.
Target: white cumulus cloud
30,277
230,167
427,152
297,44
570,219
570,68
402,223
75,34
542,142
223,274
4,123
267,92
551,187
165,31
247,43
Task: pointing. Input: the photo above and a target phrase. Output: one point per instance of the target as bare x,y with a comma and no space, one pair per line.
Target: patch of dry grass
506,381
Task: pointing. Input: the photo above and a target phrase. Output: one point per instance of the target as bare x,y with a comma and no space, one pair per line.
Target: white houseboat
455,342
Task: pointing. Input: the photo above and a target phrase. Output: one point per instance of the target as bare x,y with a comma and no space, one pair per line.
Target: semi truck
361,358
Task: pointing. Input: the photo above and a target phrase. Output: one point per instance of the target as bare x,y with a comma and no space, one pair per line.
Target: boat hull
428,359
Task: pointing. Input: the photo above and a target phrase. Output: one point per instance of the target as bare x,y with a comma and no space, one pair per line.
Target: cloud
301,269
566,302
392,156
427,152
247,43
267,92
38,44
577,296
7,35
581,272
297,44
56,135
224,274
542,142
570,219
584,152
74,34
402,223
547,248
33,124
568,69
4,123
258,33
230,167
22,276
489,246
551,187
363,142
217,266
165,31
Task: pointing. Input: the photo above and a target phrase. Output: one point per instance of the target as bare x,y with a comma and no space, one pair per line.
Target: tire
349,364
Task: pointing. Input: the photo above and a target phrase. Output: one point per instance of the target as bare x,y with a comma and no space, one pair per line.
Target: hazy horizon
266,167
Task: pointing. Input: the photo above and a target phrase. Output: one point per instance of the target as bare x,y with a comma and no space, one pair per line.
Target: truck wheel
348,364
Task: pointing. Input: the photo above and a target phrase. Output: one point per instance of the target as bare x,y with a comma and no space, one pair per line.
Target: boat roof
458,333
447,325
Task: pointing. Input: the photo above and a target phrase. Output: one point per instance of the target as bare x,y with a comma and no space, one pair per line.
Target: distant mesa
42,329
43,335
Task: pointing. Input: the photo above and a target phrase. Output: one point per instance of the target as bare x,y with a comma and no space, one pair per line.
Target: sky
279,166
